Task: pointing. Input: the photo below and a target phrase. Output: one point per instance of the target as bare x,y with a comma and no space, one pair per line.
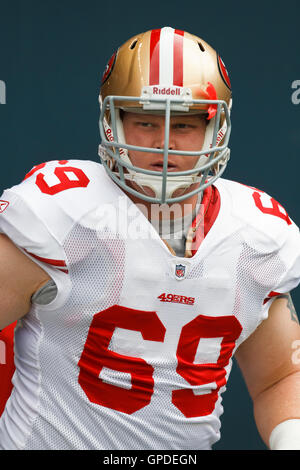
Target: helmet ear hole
133,44
201,47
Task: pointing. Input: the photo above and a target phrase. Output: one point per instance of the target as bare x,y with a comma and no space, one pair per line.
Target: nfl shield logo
179,271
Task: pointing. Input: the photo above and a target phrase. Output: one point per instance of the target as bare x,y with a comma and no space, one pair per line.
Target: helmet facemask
115,152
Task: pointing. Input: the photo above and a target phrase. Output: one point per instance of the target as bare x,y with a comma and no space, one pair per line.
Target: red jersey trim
204,220
271,295
58,263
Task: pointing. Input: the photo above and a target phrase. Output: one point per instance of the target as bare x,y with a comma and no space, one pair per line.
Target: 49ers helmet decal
223,72
165,71
109,68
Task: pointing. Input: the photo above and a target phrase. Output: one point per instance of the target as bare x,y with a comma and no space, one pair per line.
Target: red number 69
96,355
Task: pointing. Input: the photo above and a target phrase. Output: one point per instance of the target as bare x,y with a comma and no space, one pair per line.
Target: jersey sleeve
289,252
39,213
37,221
24,227
271,233
29,232
281,235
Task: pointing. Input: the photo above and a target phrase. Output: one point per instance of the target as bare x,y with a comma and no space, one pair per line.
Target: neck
166,211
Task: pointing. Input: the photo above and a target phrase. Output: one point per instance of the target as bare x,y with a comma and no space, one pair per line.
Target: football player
134,282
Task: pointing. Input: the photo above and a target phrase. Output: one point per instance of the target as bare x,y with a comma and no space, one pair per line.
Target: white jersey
135,350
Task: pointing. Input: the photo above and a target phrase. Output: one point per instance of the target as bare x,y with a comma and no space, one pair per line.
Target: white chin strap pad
155,183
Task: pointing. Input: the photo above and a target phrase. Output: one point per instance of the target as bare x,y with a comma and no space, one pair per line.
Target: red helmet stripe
178,58
154,57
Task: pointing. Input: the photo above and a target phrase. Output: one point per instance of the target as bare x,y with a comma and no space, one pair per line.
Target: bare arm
19,279
270,372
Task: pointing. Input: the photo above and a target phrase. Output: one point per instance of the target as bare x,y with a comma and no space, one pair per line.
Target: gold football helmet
165,71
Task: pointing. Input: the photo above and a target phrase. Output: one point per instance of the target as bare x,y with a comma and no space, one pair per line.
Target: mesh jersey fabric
128,356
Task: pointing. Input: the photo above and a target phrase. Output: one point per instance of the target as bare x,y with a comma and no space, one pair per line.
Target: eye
144,124
181,125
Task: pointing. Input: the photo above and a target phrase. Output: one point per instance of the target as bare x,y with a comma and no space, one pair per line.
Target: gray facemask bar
109,104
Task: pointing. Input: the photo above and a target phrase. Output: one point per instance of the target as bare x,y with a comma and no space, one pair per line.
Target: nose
161,136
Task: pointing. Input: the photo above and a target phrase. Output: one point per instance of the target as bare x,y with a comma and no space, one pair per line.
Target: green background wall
52,55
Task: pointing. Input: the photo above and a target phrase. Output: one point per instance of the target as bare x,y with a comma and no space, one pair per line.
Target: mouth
158,166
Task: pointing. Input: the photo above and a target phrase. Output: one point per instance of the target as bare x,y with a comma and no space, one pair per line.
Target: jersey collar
204,220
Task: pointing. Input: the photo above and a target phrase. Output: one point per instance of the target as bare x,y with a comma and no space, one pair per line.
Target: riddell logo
166,91
110,137
220,136
3,205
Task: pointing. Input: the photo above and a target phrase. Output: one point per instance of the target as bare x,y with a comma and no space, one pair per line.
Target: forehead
129,116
